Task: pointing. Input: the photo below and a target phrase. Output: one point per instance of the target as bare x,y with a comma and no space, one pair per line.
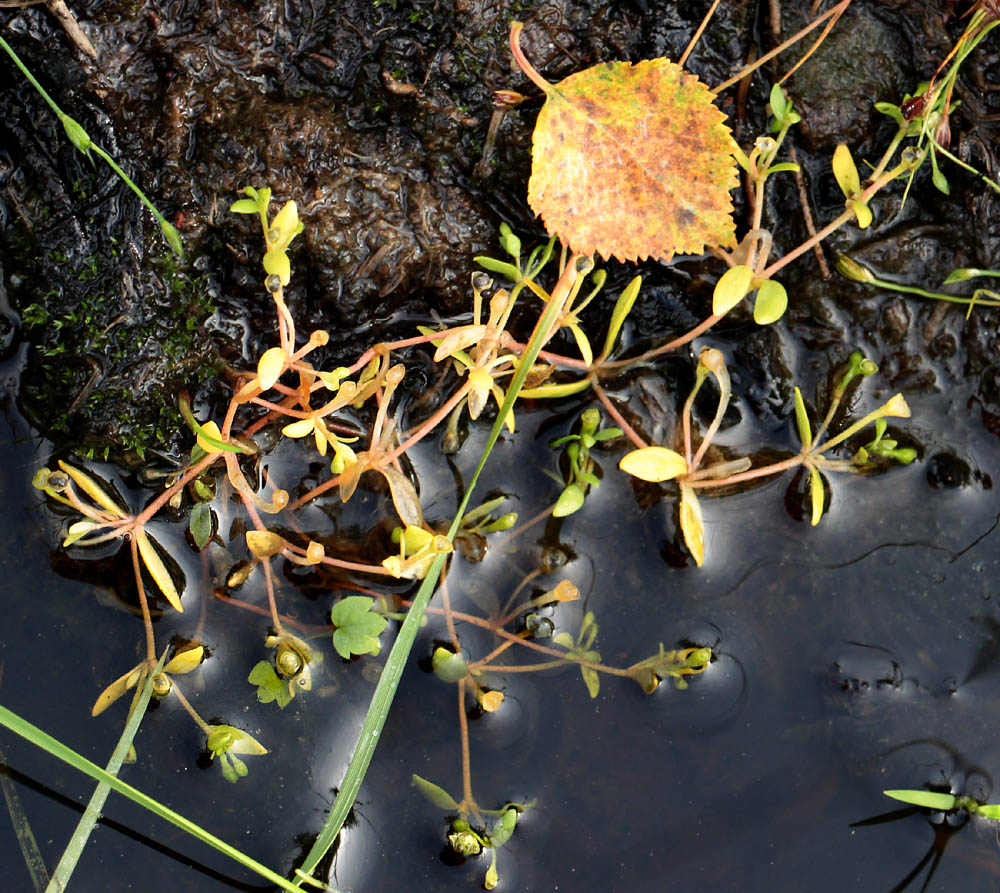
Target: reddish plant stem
618,418
147,621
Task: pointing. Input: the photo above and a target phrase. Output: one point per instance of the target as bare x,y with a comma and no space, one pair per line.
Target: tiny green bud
76,134
851,269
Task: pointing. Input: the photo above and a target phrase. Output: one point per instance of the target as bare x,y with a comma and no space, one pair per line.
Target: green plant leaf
358,628
692,524
731,288
200,524
928,799
434,794
989,810
817,495
771,303
501,267
503,828
802,420
244,206
623,307
592,680
447,665
570,501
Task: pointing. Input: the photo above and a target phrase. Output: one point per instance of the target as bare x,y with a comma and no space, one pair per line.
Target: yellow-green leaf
802,421
93,489
771,303
276,263
731,288
117,688
185,661
264,543
845,171
270,367
653,464
692,524
816,495
157,569
631,161
299,429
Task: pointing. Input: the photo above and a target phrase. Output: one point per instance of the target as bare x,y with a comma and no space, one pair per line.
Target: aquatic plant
352,417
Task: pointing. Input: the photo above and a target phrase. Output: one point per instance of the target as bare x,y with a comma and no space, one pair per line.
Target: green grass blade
385,690
57,749
74,849
22,829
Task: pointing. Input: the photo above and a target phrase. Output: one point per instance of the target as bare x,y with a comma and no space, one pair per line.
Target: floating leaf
117,688
264,543
435,794
692,525
270,365
358,628
771,303
631,161
569,501
653,464
817,496
928,799
731,288
157,569
447,665
95,490
185,661
989,811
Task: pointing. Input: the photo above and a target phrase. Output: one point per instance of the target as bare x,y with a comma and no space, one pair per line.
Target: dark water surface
852,657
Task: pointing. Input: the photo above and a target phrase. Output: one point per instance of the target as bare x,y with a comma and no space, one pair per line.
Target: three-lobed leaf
358,628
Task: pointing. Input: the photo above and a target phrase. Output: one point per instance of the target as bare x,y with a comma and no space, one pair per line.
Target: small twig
800,182
72,28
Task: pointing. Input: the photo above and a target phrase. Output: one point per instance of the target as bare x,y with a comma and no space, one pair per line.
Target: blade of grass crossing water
385,690
74,849
57,749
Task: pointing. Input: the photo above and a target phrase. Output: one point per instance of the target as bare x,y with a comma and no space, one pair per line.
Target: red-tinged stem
147,513
767,57
522,61
318,490
699,329
618,418
463,726
750,475
147,621
430,424
697,34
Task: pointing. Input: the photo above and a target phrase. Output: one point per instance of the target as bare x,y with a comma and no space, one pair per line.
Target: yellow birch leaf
157,569
631,161
653,464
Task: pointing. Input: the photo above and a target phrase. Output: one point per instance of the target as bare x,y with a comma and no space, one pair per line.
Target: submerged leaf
435,794
631,161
